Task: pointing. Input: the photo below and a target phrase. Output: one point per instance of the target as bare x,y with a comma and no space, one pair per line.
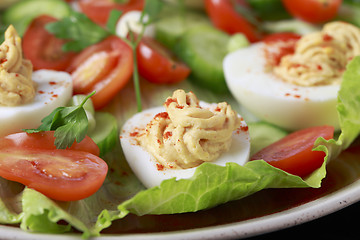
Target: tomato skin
114,80
294,154
44,49
313,11
157,64
63,175
224,17
99,10
45,140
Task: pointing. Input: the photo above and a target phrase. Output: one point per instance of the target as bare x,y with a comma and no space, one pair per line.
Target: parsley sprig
80,32
69,123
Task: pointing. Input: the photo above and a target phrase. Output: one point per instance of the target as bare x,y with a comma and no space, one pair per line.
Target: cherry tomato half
223,16
294,154
63,175
99,10
42,48
45,140
105,67
157,64
313,11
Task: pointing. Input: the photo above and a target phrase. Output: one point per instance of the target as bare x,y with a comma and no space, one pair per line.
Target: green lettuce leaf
211,185
10,202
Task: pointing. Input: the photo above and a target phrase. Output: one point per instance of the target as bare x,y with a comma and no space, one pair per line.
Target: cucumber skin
106,132
23,12
204,71
263,134
170,28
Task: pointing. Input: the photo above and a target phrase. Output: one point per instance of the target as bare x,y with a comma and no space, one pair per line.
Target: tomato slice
294,154
42,48
157,64
63,175
313,11
92,70
99,10
105,67
224,17
45,140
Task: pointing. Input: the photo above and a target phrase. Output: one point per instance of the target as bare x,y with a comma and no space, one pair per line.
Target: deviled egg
26,97
301,91
172,141
54,89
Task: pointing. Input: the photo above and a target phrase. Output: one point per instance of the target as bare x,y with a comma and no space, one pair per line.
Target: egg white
271,99
144,165
54,89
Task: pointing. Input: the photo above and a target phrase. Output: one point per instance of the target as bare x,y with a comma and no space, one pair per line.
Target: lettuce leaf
10,202
211,185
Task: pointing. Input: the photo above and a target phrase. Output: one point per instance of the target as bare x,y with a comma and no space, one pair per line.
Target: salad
66,171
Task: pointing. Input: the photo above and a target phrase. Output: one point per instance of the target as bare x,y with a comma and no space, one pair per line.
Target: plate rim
306,212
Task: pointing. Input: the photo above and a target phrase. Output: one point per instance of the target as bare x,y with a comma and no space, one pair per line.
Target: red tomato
99,10
294,154
45,140
313,11
44,49
105,67
63,175
224,17
157,64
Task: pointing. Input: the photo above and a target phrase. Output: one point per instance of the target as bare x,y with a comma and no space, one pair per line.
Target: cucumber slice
236,42
263,134
78,99
21,13
169,29
203,49
106,132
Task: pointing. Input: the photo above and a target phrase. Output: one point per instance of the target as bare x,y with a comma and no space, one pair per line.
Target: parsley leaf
50,122
79,30
69,123
112,20
75,125
152,9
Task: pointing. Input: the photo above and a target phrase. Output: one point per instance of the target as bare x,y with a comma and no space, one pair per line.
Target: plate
263,212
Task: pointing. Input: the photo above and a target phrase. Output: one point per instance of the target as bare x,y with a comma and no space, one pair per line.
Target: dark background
343,224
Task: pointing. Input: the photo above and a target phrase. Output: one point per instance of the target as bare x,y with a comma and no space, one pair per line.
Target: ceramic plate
266,211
